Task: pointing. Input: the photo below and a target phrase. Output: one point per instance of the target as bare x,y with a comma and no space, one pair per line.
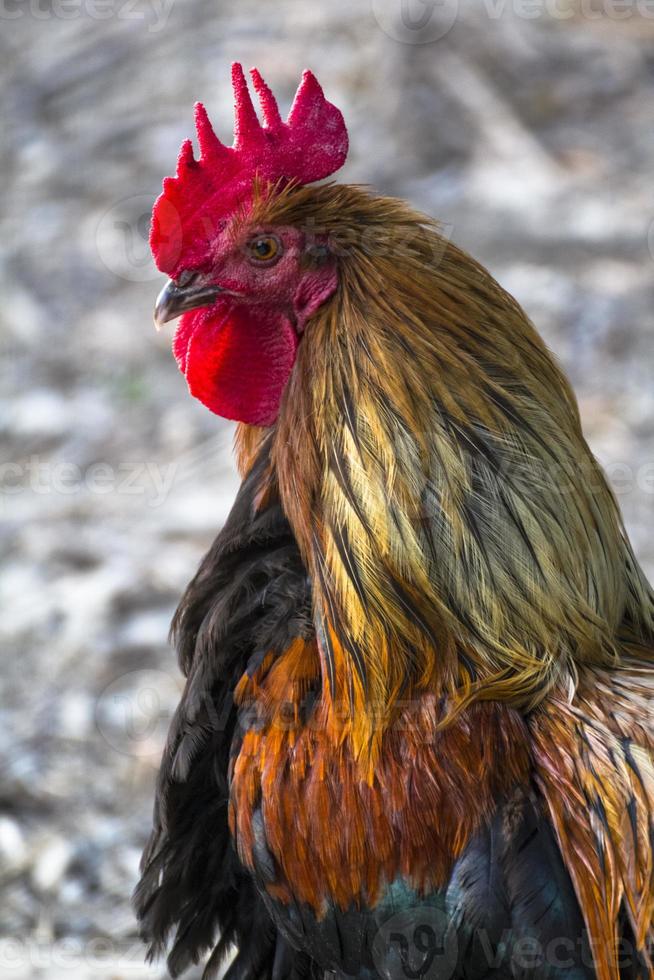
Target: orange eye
264,248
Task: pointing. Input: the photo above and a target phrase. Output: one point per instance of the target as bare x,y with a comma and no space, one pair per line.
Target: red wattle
237,361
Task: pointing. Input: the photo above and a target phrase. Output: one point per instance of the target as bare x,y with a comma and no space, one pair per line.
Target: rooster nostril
185,278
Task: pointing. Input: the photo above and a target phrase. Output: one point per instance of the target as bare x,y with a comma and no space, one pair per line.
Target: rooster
415,738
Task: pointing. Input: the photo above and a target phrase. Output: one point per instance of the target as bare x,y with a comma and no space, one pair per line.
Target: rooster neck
428,454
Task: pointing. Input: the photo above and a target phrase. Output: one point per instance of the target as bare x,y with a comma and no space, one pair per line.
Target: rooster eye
264,248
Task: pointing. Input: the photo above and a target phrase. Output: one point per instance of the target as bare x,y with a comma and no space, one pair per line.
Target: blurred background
527,126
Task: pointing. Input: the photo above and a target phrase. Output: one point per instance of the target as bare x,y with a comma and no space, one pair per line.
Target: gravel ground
529,135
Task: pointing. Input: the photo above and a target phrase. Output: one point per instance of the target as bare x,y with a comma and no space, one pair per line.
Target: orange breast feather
338,834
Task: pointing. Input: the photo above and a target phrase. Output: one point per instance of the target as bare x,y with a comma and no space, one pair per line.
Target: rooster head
245,289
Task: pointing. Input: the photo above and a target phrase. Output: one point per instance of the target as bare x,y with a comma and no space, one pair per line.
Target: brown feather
464,547
335,836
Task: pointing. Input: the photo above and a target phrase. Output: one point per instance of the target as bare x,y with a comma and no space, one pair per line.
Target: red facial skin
237,354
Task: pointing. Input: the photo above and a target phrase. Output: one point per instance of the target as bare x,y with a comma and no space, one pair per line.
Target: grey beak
174,300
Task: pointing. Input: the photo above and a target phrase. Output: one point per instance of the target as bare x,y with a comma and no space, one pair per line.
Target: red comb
310,145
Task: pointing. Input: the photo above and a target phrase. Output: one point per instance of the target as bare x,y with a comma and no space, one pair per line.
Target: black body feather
249,596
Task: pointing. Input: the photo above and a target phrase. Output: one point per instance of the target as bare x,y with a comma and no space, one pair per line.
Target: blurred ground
525,126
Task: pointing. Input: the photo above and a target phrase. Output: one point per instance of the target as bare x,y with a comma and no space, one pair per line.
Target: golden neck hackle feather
430,459
461,538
